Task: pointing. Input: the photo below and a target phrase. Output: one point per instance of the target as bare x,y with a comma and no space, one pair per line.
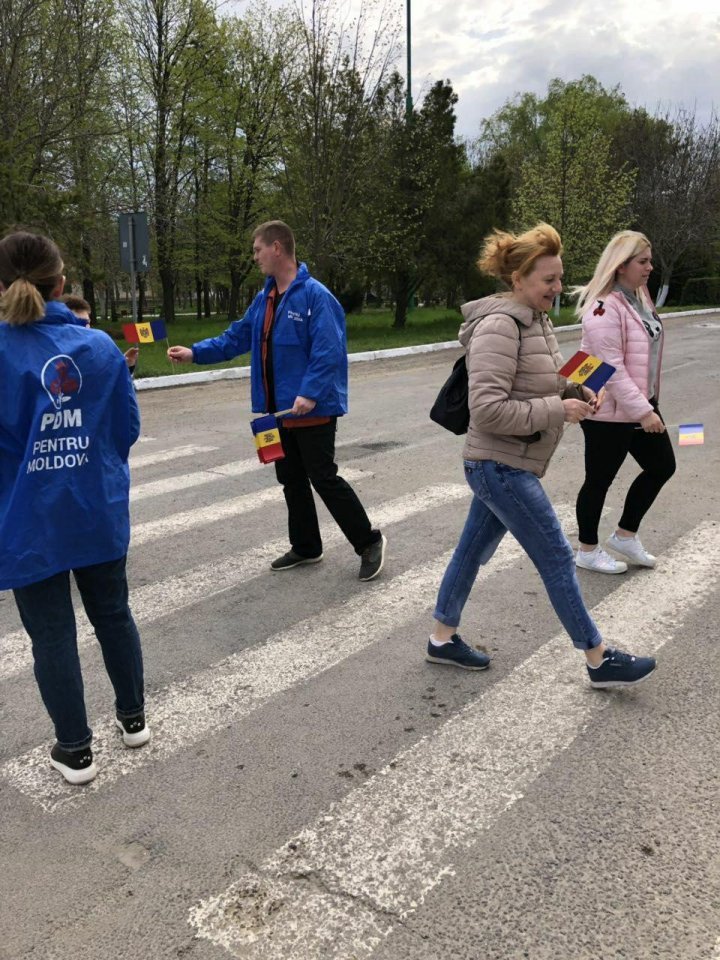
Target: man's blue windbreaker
309,347
68,417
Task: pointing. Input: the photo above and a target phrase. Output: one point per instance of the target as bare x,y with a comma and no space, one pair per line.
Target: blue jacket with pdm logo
309,347
68,417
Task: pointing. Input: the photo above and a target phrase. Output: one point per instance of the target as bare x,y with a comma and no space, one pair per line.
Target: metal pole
131,248
408,92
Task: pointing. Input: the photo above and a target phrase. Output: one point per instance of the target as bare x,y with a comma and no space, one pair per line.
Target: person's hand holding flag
594,399
302,405
180,355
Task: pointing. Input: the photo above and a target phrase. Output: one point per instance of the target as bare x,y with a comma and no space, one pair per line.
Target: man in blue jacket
295,332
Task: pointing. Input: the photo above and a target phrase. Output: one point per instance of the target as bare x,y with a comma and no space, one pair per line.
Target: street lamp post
408,92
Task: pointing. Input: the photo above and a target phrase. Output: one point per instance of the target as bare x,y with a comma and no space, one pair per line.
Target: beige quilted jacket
515,393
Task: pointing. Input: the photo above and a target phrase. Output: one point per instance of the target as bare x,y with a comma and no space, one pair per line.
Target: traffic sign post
134,249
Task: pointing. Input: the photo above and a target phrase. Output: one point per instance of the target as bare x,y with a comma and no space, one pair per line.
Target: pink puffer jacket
613,331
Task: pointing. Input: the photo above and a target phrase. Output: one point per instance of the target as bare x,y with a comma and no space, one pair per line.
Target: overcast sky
659,51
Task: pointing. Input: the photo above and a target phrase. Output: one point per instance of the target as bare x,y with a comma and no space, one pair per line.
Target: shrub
351,299
701,290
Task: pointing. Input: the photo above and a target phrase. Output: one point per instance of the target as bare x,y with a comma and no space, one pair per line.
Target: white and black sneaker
75,765
620,669
135,732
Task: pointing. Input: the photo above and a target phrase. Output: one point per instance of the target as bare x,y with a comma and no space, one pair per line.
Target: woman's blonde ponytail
30,268
21,303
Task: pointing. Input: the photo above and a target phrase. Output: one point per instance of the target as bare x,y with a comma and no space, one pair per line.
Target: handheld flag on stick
591,372
267,438
145,332
691,434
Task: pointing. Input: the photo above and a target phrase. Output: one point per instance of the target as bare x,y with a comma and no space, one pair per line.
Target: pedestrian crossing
365,880
203,582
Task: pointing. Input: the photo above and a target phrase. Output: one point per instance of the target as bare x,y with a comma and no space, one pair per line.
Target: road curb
242,373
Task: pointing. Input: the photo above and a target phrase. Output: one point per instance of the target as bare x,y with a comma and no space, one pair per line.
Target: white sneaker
599,561
631,548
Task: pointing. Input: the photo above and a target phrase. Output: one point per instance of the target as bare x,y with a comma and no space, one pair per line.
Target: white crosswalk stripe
213,512
174,594
198,478
163,456
339,887
155,488
236,686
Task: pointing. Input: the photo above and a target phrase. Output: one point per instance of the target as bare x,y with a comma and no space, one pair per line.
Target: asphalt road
315,790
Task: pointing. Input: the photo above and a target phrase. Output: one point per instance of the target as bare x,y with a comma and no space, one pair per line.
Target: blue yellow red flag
145,332
691,434
267,438
591,372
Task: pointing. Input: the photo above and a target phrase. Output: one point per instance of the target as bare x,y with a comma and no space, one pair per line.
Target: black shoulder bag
450,409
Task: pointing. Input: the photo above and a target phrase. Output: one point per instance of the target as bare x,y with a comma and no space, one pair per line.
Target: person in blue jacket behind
295,332
68,417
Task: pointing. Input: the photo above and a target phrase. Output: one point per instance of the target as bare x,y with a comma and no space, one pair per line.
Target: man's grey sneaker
291,559
599,561
76,766
632,549
372,559
456,653
135,732
620,669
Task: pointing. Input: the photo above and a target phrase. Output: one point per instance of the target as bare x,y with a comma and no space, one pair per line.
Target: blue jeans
47,614
509,499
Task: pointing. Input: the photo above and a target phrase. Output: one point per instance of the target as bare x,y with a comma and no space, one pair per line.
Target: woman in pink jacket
621,327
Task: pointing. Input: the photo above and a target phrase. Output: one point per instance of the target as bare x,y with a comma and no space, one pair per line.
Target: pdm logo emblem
61,379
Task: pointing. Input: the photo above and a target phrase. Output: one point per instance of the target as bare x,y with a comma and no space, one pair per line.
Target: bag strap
515,320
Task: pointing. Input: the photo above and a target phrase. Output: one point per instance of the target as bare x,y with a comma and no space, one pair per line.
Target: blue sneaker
456,653
620,669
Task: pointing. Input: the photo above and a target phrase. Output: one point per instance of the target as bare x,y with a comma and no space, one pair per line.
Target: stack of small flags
691,434
267,438
591,372
145,332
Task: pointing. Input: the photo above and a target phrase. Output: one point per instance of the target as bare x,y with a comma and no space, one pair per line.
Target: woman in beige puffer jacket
518,405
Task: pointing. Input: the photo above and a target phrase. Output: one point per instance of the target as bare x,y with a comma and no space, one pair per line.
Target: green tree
328,138
677,191
570,182
172,40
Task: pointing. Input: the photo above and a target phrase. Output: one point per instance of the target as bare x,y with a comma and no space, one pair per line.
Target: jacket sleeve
492,367
328,348
134,409
232,342
602,335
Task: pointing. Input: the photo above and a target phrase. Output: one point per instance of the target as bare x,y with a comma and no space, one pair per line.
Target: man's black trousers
310,459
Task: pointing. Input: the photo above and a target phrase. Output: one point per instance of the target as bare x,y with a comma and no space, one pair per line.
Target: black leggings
606,447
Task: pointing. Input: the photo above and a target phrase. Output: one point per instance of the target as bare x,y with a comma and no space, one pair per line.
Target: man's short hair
276,230
73,302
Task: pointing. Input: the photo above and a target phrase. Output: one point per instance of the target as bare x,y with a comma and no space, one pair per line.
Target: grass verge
369,330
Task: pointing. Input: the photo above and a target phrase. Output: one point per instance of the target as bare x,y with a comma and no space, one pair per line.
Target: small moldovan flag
691,434
267,438
590,371
145,332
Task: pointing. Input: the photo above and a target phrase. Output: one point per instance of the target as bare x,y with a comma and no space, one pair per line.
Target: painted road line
174,594
239,684
161,456
339,887
186,520
184,481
